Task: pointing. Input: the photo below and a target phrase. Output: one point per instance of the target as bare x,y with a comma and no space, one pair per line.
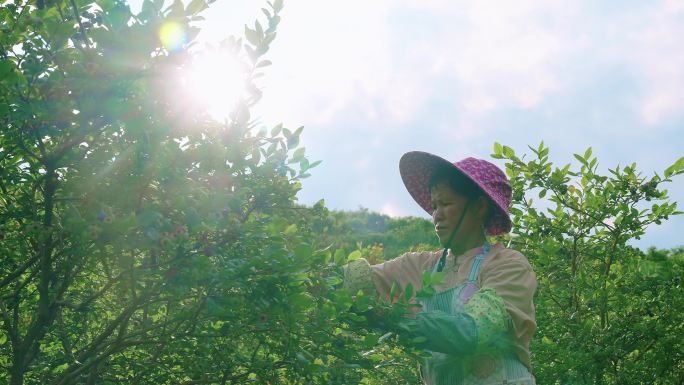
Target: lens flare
172,36
216,81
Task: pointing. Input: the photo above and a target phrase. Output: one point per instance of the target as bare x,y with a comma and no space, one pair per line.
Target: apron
492,365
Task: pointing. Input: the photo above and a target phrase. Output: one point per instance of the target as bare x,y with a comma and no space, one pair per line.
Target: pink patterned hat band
417,167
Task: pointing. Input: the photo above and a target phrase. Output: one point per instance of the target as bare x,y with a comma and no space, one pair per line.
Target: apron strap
475,269
434,269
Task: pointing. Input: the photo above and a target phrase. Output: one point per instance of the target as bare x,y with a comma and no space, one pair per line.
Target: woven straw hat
417,167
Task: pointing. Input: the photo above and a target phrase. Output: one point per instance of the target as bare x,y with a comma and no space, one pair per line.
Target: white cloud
656,50
362,163
674,5
360,57
328,57
501,55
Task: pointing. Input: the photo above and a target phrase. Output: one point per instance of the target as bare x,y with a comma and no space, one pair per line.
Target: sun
215,81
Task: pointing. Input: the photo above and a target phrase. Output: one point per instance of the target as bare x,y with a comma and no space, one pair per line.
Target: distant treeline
380,236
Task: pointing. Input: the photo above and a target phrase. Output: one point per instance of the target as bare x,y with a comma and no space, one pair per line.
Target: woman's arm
511,276
358,276
502,307
378,279
483,321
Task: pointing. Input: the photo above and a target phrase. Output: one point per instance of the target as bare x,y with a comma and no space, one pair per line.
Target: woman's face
447,208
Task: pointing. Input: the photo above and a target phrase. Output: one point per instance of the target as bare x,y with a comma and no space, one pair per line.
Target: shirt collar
471,253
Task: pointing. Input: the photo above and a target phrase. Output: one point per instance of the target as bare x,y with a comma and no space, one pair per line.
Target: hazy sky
371,80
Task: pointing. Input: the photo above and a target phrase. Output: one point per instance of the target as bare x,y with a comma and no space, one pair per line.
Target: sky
371,80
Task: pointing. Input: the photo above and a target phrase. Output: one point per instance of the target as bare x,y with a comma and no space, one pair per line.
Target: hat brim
416,169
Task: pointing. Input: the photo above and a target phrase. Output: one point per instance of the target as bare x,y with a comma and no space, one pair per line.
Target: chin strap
442,259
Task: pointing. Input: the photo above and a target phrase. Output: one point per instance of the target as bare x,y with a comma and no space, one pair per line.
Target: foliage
143,242
607,312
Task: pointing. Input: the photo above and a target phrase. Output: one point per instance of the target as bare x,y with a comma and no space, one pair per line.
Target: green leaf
256,156
252,36
6,66
510,172
498,149
263,63
293,141
303,165
266,13
408,291
303,251
301,300
354,255
259,30
148,7
298,131
393,290
587,153
565,169
158,4
418,340
508,152
314,164
675,169
437,278
426,292
196,6
177,10
370,340
302,358
291,229
339,257
427,279
582,160
277,5
298,154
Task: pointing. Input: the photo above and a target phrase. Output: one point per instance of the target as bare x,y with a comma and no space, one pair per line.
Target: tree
142,241
607,312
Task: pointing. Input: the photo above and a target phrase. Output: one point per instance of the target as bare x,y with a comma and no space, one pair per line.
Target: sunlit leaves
157,228
676,169
577,235
196,6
